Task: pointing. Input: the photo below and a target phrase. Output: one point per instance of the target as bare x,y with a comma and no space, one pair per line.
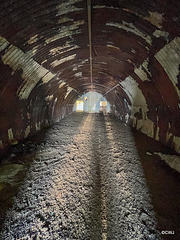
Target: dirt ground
89,177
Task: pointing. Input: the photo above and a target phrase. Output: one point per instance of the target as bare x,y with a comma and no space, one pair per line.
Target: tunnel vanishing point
53,51
89,176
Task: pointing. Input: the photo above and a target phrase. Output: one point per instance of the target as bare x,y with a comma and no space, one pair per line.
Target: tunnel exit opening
92,102
79,106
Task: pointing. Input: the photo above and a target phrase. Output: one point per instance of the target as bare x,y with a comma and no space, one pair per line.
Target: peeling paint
146,126
134,93
168,134
64,20
68,7
58,50
69,89
75,68
112,46
66,31
49,97
169,58
99,6
79,74
172,160
157,134
10,134
129,27
127,118
11,138
157,130
176,142
32,71
27,131
33,39
31,53
49,76
104,73
3,43
38,126
129,61
143,70
155,18
61,84
159,33
28,115
103,6
63,60
62,35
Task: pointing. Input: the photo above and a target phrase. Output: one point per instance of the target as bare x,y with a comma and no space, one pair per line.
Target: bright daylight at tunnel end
112,68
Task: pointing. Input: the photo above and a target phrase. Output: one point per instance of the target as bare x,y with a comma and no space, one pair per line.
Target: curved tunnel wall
44,49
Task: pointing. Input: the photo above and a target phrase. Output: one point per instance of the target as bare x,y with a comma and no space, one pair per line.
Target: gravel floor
85,182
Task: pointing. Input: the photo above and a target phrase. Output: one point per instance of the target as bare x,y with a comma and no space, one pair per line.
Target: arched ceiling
45,61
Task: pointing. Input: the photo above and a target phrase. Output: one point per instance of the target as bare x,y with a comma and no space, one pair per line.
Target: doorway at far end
79,106
92,102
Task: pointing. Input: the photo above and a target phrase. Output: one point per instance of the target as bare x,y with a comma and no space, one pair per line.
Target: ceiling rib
111,89
90,40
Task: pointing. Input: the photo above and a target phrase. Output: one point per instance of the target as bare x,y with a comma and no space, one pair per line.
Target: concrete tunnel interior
53,52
